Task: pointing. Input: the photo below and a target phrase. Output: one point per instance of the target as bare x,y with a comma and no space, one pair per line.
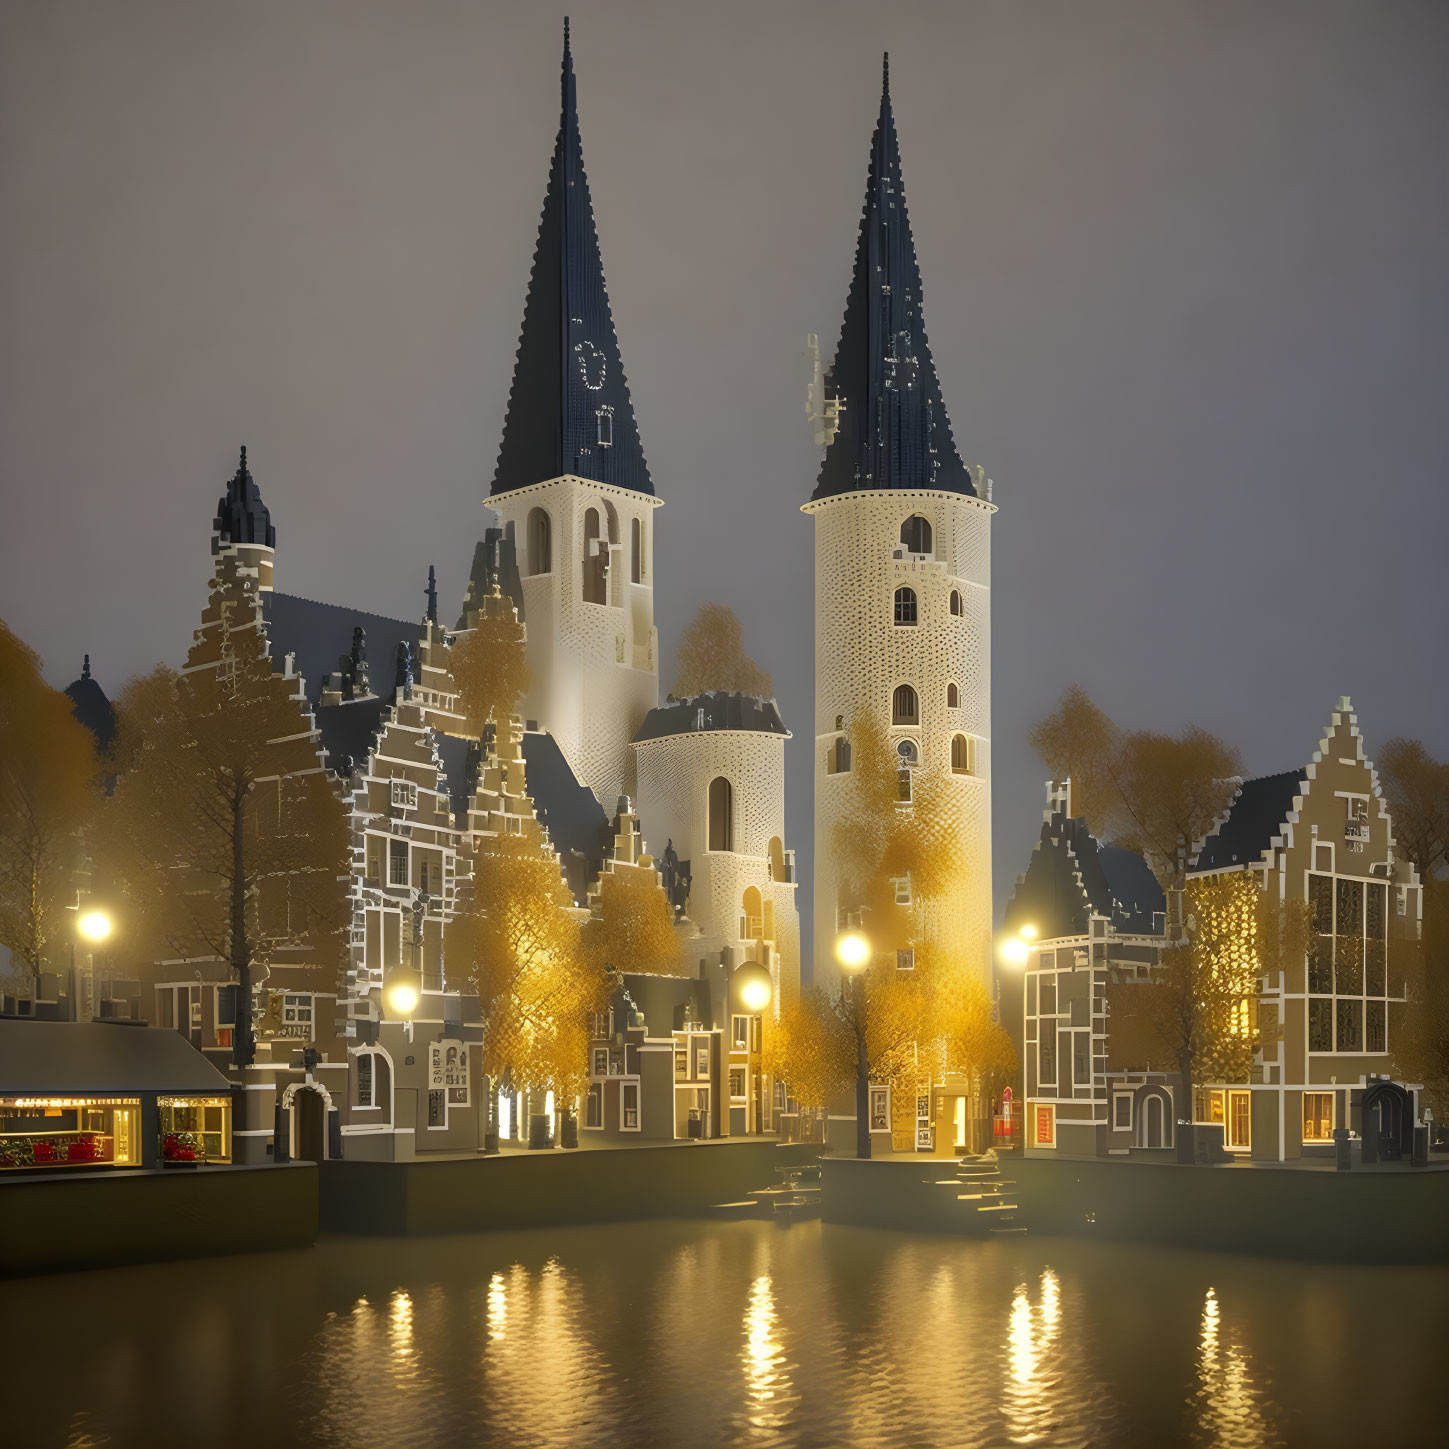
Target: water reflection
700,1336
1229,1410
767,1378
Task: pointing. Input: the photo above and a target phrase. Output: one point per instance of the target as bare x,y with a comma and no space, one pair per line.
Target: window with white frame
737,1083
599,1066
404,795
1356,823
629,1106
740,1032
296,1015
398,862
1122,1111
366,1083
594,1106
906,958
880,1109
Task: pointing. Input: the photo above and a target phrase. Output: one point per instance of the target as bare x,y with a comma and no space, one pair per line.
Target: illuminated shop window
1318,1116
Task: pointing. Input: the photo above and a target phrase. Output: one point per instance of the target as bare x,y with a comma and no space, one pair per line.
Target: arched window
540,542
904,710
721,814
605,419
956,602
778,868
905,606
612,514
953,697
916,534
962,761
752,927
907,753
596,561
636,550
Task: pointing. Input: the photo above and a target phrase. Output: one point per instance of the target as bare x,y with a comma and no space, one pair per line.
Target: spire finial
86,668
885,74
243,469
432,595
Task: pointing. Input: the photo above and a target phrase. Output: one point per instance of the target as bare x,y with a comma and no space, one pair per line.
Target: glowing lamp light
402,998
1014,951
852,950
754,989
1027,933
94,926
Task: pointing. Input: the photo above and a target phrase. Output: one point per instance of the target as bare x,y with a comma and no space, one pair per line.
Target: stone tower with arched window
712,786
902,575
574,494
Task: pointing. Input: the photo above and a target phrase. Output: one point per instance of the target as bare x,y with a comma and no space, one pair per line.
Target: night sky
1185,282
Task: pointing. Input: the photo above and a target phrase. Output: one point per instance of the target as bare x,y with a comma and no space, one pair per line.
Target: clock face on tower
591,365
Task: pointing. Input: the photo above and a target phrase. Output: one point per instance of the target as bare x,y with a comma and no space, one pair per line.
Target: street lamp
94,926
852,951
753,990
1014,950
753,987
401,994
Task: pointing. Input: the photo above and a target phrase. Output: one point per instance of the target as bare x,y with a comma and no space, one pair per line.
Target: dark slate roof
319,634
1259,812
576,821
67,1058
88,703
461,758
348,731
241,516
717,710
568,366
1072,875
894,431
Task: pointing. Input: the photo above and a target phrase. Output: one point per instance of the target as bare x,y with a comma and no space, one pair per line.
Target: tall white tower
573,492
902,570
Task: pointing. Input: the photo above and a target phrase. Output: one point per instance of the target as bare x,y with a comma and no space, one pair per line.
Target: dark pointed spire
86,668
241,516
569,409
432,592
894,432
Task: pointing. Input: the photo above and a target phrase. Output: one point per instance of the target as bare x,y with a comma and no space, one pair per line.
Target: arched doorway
1387,1124
1153,1109
309,1126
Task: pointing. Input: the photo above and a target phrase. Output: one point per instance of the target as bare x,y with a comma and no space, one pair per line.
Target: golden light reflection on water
1230,1407
497,1308
767,1377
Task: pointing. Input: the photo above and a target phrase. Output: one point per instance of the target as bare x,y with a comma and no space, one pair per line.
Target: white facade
863,656
585,559
743,897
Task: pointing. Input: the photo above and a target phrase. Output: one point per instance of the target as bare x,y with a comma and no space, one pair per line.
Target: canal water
696,1335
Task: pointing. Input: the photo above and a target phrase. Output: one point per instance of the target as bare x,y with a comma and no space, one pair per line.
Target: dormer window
605,419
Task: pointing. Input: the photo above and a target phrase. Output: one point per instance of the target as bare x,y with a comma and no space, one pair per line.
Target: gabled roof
893,428
1259,812
88,703
1072,875
241,516
717,710
574,818
318,634
67,1058
568,373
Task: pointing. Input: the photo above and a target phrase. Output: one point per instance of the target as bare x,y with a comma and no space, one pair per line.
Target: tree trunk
243,1036
862,1073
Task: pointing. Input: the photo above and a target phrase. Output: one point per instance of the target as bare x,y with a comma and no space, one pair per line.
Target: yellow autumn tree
223,832
1199,1009
47,796
712,656
1156,793
631,927
488,663
519,947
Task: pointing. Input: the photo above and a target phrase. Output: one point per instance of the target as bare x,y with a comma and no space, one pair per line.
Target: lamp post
852,951
753,989
94,926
